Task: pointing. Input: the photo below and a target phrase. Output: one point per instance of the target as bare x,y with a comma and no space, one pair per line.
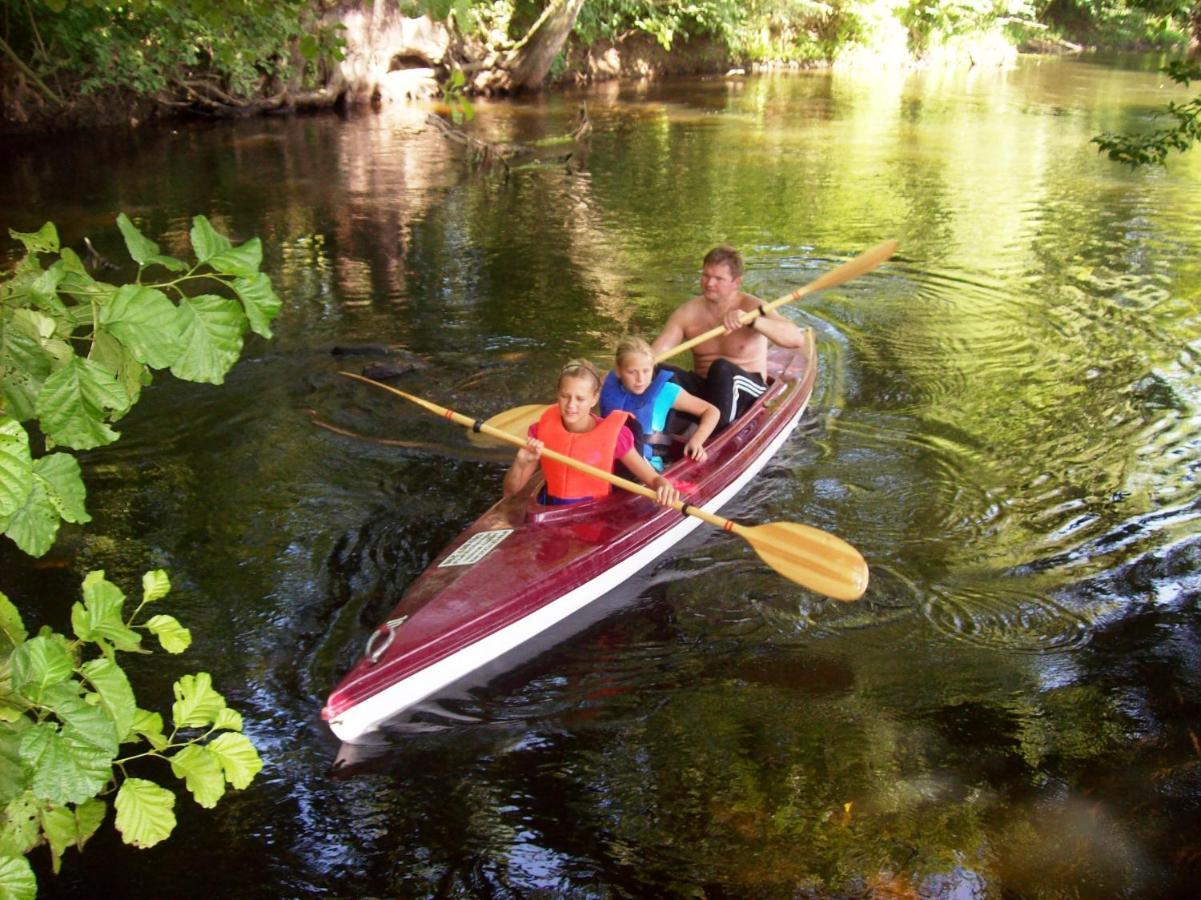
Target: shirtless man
729,371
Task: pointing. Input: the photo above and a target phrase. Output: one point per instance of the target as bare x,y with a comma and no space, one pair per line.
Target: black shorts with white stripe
728,387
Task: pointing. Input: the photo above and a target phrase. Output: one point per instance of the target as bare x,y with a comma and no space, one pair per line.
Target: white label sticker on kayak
477,547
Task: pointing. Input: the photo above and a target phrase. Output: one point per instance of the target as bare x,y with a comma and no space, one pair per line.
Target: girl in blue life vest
635,387
570,428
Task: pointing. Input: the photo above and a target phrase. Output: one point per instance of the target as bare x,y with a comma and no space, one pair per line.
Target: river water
1005,425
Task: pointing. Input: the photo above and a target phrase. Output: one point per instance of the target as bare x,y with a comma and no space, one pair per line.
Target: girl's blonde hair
631,345
578,367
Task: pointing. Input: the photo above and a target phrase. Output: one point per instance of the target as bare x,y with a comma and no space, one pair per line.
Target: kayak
524,566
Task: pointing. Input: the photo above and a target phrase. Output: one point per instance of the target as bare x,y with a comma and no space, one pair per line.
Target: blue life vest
649,408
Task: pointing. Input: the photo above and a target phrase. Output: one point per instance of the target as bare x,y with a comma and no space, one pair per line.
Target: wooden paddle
518,419
808,556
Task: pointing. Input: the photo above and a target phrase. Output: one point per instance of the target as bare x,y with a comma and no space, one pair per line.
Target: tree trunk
530,61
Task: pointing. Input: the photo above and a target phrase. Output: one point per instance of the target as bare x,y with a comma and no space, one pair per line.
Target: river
1005,424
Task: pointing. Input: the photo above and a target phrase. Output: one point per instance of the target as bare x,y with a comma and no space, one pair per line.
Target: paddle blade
813,558
515,421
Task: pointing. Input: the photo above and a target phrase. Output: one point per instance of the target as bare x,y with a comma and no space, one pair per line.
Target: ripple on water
1006,618
938,474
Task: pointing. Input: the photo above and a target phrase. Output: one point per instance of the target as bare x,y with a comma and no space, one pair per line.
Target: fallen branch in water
345,432
487,154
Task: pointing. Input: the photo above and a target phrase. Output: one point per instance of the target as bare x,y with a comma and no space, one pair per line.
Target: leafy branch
1153,147
75,354
64,718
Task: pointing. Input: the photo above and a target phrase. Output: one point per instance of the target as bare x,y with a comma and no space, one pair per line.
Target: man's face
717,284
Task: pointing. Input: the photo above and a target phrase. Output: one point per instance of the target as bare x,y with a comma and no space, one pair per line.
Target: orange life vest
594,447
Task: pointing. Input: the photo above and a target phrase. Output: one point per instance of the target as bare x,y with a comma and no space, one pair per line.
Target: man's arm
780,331
671,335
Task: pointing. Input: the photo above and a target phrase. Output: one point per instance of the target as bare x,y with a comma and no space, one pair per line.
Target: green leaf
36,324
146,322
140,247
33,526
44,333
144,251
212,334
63,483
173,636
115,357
12,629
196,705
20,829
145,812
150,726
168,262
16,467
229,719
259,302
17,881
25,362
85,723
89,816
202,774
116,695
44,240
58,823
98,618
72,264
44,290
90,293
73,402
239,759
155,585
65,769
243,260
65,827
15,775
206,241
38,664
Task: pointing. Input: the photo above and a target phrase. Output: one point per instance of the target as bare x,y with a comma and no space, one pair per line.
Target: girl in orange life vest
570,428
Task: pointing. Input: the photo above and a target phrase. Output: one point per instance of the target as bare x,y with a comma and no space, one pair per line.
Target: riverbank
396,59
409,59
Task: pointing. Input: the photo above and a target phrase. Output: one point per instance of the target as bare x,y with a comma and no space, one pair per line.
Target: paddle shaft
864,262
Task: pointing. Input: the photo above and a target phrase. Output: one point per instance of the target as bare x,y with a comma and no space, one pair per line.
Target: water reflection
1004,424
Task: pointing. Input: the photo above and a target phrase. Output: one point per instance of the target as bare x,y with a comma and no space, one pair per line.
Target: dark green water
1005,424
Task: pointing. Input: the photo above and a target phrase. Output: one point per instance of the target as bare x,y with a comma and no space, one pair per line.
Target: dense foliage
75,354
176,51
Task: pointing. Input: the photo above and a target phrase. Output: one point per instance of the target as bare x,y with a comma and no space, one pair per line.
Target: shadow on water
1004,425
